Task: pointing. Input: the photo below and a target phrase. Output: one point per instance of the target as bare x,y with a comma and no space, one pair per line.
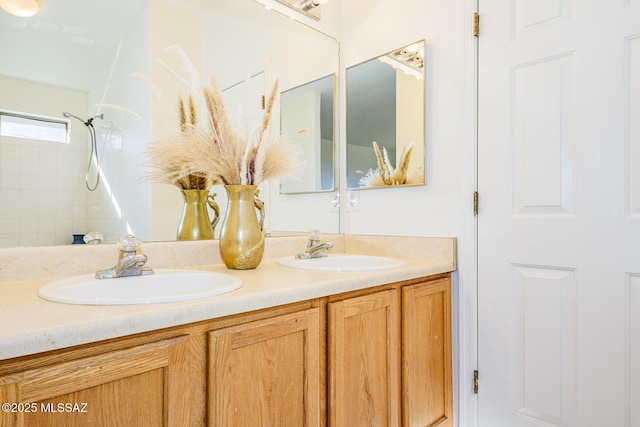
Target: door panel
559,217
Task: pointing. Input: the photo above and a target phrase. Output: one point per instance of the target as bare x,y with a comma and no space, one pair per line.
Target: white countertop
30,324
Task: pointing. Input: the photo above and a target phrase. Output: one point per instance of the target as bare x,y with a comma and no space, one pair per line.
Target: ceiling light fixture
21,8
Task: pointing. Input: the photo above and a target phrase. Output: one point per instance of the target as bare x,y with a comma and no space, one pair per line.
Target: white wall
444,206
293,55
373,28
120,205
171,25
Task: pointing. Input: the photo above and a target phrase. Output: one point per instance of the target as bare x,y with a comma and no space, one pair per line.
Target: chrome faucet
130,263
315,249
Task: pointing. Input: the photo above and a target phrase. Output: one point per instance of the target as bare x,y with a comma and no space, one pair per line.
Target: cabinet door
427,398
364,360
141,386
266,373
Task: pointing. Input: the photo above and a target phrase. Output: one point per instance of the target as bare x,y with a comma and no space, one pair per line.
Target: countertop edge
129,321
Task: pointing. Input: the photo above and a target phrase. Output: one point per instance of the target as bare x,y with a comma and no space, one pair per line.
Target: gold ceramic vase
195,223
241,236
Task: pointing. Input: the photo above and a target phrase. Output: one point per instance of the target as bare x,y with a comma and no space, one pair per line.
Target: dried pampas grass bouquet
216,152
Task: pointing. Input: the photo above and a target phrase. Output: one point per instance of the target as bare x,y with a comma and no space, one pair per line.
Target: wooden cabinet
364,361
387,358
427,396
373,357
142,386
266,373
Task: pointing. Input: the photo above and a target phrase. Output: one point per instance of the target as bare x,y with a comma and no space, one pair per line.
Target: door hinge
263,102
475,382
476,24
475,203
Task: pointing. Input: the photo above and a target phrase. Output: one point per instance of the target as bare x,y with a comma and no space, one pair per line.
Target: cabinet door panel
363,360
426,354
141,385
266,373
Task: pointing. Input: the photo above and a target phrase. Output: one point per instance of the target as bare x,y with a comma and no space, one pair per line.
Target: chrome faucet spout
315,249
130,263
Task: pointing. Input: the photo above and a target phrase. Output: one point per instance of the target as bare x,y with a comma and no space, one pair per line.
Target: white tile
9,151
28,196
29,153
48,155
46,239
9,240
9,195
11,166
64,197
9,210
28,167
28,225
29,211
29,182
10,180
47,224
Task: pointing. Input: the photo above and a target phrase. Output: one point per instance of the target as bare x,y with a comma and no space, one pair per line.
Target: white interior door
559,217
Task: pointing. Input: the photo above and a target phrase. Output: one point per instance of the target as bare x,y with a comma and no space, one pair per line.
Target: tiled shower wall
42,190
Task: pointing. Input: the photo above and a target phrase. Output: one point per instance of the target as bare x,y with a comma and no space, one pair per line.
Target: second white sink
165,285
342,262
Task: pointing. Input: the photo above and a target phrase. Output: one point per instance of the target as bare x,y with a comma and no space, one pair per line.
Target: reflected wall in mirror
307,120
386,119
71,58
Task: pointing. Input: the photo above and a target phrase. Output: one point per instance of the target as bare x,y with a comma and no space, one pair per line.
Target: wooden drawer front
124,387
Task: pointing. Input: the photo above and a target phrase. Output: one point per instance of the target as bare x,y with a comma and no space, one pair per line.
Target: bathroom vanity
291,347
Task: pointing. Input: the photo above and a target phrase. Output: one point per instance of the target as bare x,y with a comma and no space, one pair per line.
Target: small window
28,126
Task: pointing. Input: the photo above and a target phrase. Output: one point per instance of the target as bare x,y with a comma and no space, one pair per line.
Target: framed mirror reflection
115,63
307,121
386,119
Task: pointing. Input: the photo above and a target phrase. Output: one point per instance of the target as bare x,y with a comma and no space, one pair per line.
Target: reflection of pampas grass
217,152
133,114
386,174
169,160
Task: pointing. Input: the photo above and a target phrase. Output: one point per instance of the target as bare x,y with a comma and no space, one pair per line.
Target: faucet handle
129,243
315,235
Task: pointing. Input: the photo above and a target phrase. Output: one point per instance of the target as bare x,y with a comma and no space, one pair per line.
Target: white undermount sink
342,262
165,285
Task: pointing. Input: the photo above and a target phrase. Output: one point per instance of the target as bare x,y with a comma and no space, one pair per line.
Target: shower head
69,115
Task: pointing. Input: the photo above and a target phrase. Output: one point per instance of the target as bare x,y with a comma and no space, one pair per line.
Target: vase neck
195,196
241,192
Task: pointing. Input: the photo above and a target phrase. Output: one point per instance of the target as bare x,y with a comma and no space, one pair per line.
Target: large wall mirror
117,63
386,119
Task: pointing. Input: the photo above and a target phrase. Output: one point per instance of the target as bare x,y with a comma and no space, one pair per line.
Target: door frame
465,279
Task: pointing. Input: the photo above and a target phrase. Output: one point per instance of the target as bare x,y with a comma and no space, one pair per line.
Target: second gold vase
195,223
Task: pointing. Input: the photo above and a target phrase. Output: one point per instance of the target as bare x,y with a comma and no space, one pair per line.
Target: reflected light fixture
21,8
310,4
308,7
409,59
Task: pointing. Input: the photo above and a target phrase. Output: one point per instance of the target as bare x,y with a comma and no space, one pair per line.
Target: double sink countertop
30,324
